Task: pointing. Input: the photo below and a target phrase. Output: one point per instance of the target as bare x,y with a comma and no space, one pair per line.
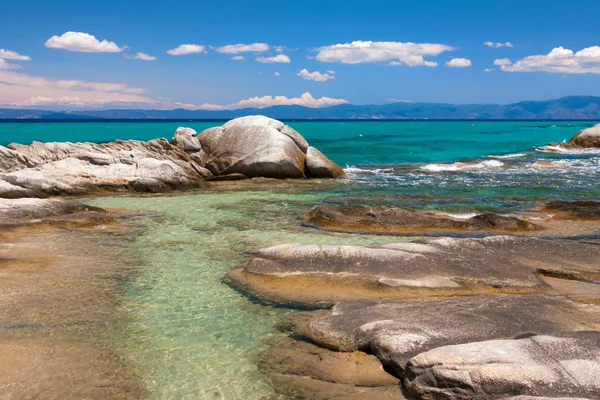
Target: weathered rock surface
319,276
587,138
585,210
18,212
404,221
396,331
257,146
320,166
538,366
251,146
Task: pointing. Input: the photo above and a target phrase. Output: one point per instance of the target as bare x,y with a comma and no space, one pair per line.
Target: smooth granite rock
587,138
402,221
187,139
568,365
319,276
396,331
322,167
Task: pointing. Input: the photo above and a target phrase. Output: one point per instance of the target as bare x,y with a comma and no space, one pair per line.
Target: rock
587,138
386,220
586,210
291,357
257,146
228,177
396,331
539,366
187,139
19,212
319,276
322,167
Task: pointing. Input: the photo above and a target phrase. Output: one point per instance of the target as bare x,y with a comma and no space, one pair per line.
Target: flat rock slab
395,331
585,210
319,276
403,221
540,366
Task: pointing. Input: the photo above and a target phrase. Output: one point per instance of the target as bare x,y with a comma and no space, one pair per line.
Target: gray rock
396,331
245,147
187,139
322,167
539,366
319,276
273,123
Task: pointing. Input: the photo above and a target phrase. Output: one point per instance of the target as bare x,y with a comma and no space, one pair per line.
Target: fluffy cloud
185,49
489,70
498,44
502,61
316,76
237,58
279,58
13,55
395,53
82,42
458,63
27,90
5,65
242,48
140,56
560,60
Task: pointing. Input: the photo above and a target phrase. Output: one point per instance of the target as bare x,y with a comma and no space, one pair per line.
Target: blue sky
365,46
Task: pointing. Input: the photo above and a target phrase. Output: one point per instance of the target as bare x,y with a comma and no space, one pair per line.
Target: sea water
190,335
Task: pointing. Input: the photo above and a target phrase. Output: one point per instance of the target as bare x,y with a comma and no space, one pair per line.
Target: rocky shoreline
487,307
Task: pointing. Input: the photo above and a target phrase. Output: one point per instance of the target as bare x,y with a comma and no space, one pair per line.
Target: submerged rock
319,276
540,365
388,220
586,210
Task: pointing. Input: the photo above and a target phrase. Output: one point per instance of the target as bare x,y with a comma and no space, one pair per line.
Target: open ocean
188,335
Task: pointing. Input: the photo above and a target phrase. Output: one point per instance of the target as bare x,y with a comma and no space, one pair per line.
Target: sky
230,54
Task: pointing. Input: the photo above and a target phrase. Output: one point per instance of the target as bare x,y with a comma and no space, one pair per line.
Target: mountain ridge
570,107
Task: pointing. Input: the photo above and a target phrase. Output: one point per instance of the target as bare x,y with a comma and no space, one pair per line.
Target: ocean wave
459,216
351,170
460,166
508,156
562,150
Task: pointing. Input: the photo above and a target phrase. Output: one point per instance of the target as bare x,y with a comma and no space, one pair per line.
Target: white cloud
237,58
560,60
279,49
279,58
489,70
267,101
498,44
13,55
26,90
242,48
185,49
458,63
315,76
502,61
277,74
395,53
82,42
330,72
140,56
5,65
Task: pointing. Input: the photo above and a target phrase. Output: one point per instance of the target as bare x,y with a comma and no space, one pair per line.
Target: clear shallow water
194,337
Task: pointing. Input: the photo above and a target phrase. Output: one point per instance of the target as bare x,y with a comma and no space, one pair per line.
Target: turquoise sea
190,336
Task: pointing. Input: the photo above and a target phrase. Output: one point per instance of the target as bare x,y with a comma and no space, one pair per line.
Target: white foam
509,156
562,150
459,216
459,166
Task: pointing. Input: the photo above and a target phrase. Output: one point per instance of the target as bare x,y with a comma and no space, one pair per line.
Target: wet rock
587,138
586,210
403,221
319,276
322,167
291,357
396,331
228,177
539,366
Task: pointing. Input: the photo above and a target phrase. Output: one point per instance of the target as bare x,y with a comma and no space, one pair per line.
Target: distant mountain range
573,107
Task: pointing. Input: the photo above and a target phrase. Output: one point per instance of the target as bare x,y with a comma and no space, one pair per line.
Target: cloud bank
306,99
561,61
82,42
394,53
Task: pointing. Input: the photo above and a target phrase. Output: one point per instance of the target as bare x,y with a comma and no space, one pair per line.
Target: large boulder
538,366
587,138
257,146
